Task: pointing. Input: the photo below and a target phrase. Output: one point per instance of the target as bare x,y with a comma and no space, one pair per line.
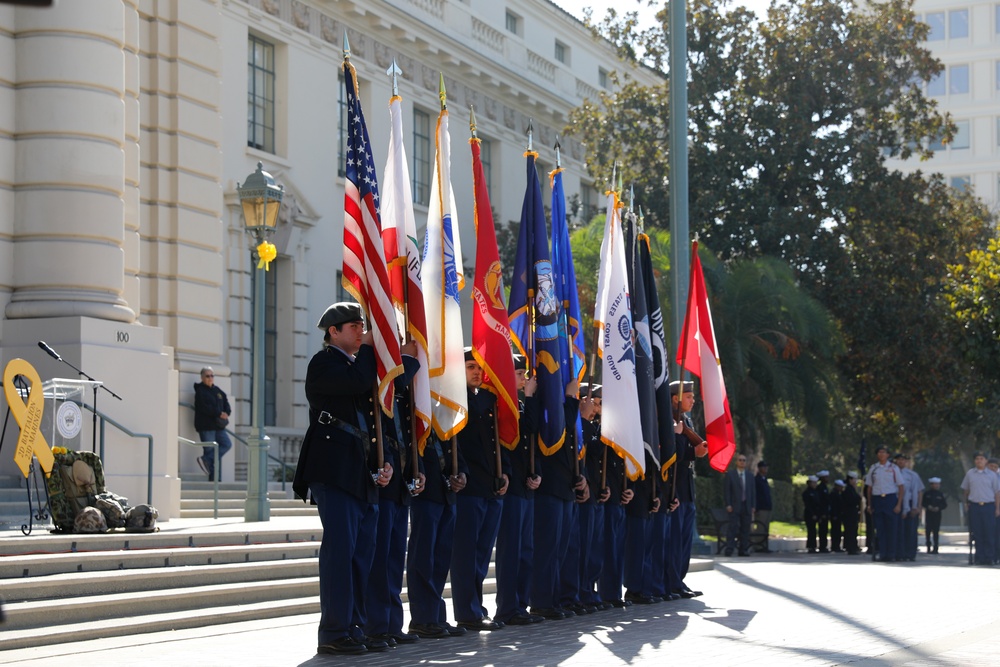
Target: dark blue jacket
209,403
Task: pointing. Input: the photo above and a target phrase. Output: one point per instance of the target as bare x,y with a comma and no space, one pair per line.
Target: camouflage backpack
141,519
90,520
113,507
76,480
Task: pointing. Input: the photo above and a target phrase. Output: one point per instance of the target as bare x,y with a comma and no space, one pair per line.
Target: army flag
490,325
443,280
699,354
620,421
399,236
364,273
534,313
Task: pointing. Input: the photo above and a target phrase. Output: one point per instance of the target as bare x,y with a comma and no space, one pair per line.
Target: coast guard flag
571,344
699,355
534,314
620,421
443,280
399,235
490,326
365,275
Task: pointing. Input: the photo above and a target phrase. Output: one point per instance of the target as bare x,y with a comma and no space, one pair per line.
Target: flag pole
530,365
593,365
393,72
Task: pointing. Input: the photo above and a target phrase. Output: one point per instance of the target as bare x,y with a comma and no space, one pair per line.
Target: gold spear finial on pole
394,72
472,121
442,93
347,46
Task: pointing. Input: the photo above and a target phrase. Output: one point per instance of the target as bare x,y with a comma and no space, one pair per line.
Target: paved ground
781,609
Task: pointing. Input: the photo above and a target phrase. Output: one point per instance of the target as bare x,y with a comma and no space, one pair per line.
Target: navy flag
534,313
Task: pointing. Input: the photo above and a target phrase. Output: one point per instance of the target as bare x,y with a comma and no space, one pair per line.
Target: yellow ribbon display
28,416
266,252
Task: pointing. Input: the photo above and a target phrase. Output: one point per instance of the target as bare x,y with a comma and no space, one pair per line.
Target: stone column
70,163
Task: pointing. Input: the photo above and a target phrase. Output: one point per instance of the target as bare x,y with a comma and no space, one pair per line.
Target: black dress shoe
670,597
692,593
684,593
639,598
454,631
744,554
342,645
429,631
386,637
621,603
549,613
404,637
604,606
375,645
480,625
521,619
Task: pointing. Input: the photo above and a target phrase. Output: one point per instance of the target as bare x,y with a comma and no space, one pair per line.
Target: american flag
365,273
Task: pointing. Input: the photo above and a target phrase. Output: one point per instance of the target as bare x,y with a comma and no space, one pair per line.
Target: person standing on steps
211,417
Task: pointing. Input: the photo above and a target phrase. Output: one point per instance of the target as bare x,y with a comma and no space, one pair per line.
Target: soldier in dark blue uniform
823,523
618,497
639,536
384,604
581,527
837,515
592,511
685,519
479,505
851,514
515,542
554,501
432,531
336,465
934,503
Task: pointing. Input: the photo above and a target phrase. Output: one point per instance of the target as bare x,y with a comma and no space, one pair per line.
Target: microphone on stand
49,351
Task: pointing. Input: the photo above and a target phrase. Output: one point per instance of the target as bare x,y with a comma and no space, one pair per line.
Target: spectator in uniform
851,514
885,503
336,465
811,504
837,515
982,499
823,523
934,503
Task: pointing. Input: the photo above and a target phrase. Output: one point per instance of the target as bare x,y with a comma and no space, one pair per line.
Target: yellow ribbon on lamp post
266,252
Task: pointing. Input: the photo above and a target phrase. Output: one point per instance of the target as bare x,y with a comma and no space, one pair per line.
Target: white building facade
125,126
965,36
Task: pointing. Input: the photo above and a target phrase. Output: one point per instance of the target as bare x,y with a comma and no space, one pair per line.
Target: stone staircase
197,500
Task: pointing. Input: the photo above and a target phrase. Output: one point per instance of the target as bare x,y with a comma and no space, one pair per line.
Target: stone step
231,512
108,581
240,501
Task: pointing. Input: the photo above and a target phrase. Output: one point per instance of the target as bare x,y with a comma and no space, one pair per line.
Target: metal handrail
284,466
132,434
215,478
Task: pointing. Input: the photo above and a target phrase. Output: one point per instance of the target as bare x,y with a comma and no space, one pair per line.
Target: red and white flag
399,234
699,354
365,274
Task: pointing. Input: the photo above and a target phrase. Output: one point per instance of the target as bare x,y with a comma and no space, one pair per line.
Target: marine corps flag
534,314
699,354
620,421
365,275
490,326
443,280
399,234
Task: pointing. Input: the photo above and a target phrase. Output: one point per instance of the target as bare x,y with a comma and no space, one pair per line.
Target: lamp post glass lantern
261,200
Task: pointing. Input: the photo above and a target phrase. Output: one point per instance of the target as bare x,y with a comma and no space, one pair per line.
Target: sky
646,13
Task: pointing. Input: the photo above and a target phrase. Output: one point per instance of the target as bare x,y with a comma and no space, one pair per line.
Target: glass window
936,144
958,24
958,80
602,77
996,19
422,157
961,183
961,139
270,340
561,52
936,85
936,22
260,94
342,126
998,74
998,130
512,23
589,202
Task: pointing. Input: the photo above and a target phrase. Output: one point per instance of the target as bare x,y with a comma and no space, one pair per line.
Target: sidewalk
778,609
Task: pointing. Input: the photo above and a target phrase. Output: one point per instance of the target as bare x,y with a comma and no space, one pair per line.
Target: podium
62,417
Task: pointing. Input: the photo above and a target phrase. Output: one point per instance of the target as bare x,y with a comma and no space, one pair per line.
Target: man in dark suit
337,466
740,502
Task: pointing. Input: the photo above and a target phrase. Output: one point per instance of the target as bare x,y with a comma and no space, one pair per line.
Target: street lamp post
261,200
